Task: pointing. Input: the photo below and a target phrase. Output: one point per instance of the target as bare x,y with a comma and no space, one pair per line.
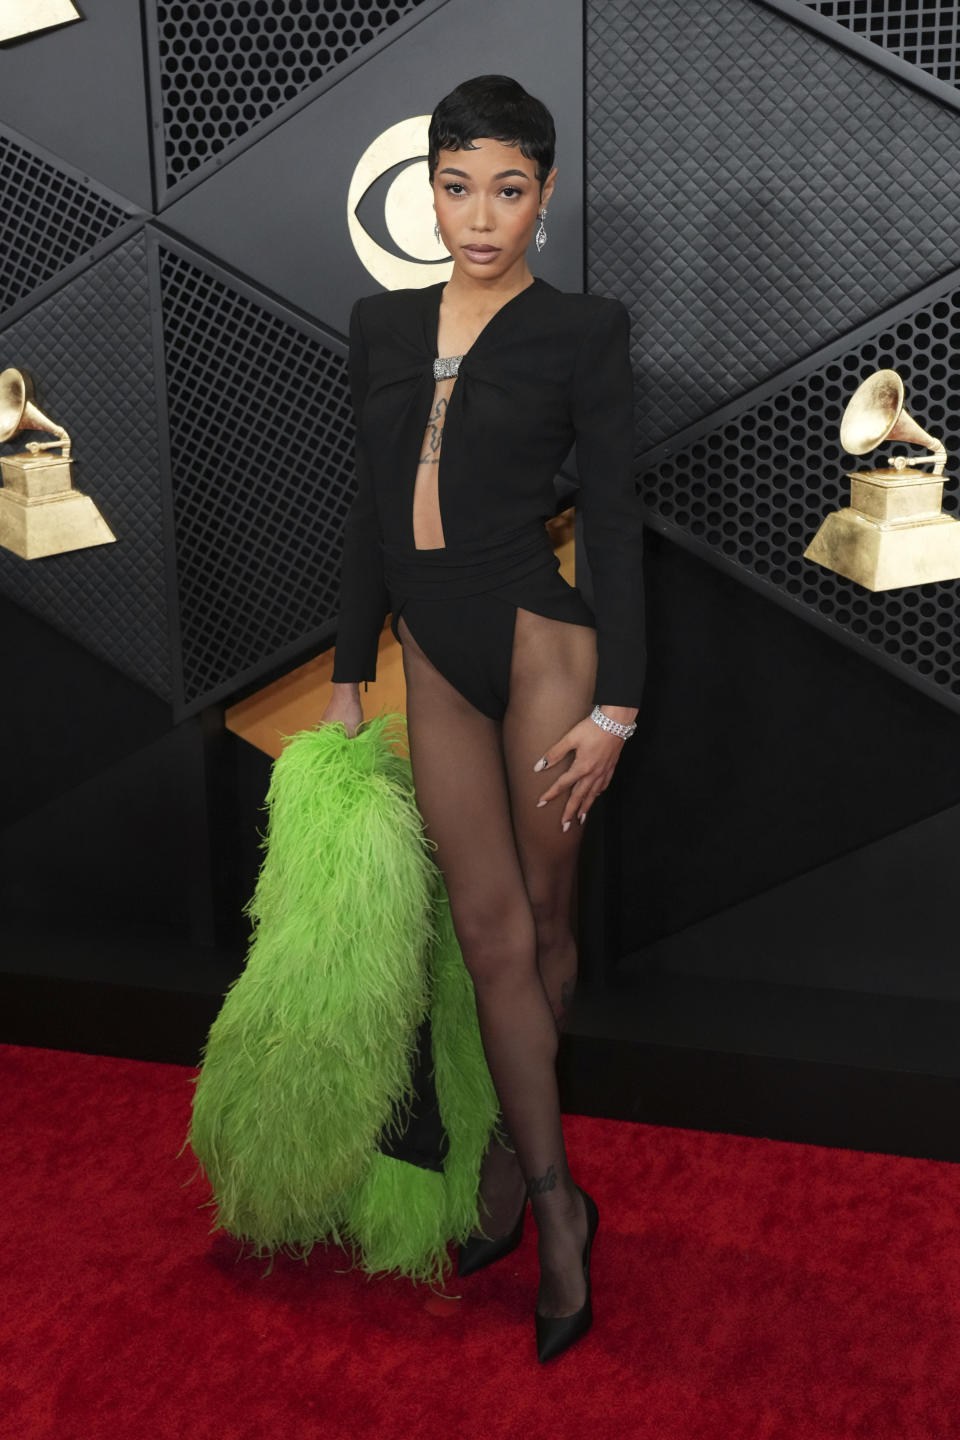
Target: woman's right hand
344,705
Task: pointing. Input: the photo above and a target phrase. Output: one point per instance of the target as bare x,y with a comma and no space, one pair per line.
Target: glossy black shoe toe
556,1333
476,1252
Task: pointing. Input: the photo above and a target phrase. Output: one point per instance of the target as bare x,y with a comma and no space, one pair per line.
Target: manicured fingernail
583,817
540,765
540,802
566,826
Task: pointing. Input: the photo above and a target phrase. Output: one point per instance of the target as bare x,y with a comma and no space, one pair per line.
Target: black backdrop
767,184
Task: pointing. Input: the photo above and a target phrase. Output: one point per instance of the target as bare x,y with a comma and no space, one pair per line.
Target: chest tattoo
434,433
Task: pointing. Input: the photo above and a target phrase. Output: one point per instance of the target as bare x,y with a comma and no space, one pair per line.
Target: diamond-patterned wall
752,192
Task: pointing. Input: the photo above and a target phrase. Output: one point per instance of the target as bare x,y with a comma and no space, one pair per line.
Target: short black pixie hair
498,107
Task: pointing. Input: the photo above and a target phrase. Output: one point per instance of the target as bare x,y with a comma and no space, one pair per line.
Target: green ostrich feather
400,1216
315,1037
309,1060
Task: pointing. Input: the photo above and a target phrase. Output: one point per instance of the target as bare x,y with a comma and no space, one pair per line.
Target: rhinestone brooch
445,367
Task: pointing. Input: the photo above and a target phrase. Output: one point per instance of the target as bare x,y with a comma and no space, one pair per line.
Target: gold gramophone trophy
894,532
40,512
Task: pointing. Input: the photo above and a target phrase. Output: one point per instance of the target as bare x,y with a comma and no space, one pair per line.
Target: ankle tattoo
540,1184
566,996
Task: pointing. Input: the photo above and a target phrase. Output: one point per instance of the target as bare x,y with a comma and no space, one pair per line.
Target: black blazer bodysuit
549,368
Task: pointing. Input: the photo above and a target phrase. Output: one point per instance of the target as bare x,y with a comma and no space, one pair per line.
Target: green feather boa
309,1061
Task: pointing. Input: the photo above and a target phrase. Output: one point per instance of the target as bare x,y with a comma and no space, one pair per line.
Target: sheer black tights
509,871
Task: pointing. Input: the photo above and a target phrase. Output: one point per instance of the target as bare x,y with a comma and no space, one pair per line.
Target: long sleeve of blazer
364,601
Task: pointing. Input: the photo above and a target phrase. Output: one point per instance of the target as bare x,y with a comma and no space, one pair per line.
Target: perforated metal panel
925,35
757,488
736,205
47,220
226,65
261,453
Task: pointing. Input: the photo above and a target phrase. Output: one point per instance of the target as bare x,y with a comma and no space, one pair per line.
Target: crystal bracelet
614,726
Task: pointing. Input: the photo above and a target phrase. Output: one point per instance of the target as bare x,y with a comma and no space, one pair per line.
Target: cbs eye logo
407,209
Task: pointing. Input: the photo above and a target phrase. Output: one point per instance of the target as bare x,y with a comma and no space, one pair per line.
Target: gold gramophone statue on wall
40,512
894,532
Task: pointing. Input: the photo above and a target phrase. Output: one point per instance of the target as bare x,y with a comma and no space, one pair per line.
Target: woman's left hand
590,772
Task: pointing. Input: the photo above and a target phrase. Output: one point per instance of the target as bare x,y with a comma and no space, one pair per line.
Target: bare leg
463,792
503,1190
553,672
551,688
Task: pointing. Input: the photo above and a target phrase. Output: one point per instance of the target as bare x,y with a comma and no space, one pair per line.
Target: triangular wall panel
52,92
261,473
923,34
224,67
89,348
49,221
753,191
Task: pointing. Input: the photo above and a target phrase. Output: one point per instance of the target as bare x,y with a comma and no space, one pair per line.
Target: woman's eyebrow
500,175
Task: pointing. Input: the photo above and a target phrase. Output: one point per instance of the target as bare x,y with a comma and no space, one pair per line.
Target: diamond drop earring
541,235
436,230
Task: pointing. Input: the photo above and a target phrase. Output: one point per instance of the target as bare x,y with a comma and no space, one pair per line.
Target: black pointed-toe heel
555,1333
477,1252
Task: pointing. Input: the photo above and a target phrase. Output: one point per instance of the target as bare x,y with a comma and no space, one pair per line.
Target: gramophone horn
17,410
875,413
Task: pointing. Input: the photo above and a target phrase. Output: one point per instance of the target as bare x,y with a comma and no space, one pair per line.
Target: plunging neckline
435,317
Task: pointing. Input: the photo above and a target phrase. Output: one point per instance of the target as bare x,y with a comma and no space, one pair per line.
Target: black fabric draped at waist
470,568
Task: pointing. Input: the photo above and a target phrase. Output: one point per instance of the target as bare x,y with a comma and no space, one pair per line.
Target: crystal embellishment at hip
445,367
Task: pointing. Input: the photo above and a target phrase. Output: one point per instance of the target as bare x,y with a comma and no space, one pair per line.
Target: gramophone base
887,557
35,528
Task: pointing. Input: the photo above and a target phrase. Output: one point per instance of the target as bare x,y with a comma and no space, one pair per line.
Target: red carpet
744,1290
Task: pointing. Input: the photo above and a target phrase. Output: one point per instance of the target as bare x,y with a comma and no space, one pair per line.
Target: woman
468,396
